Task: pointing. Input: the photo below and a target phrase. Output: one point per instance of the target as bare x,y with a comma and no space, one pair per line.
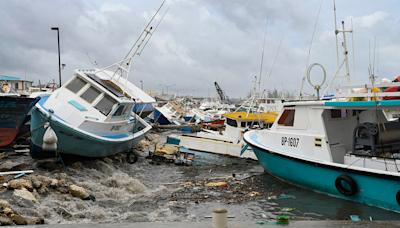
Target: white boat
91,113
346,146
170,113
229,142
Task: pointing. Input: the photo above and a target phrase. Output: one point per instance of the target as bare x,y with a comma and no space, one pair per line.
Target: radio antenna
309,51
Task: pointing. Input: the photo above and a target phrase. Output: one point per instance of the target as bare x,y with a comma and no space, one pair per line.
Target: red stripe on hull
7,135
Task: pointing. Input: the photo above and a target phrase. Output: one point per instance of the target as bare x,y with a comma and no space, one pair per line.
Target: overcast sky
198,42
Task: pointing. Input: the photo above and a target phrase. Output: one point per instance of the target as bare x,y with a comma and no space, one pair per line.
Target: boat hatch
287,118
105,105
123,110
105,85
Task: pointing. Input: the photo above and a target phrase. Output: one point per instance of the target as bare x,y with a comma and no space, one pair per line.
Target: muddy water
143,192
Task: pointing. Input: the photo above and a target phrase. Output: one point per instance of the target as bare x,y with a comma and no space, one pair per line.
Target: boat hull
216,146
373,189
143,109
73,142
160,118
13,111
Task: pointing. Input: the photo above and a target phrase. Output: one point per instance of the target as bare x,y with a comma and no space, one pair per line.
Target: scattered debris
131,203
283,196
11,166
286,209
215,184
19,175
355,218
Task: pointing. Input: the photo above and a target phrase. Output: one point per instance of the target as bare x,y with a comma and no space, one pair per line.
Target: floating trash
287,209
355,218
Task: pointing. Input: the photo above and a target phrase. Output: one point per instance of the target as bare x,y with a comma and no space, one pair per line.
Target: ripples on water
133,193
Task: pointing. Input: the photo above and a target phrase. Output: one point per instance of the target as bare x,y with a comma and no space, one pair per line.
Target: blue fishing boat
13,112
345,146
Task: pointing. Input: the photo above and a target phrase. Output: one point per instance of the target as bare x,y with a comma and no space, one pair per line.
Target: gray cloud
197,42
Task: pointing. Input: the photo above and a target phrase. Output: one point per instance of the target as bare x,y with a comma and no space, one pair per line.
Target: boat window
76,84
249,123
338,113
105,105
287,118
119,111
122,110
231,122
90,94
243,124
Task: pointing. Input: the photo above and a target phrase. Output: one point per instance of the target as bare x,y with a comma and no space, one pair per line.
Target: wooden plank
21,151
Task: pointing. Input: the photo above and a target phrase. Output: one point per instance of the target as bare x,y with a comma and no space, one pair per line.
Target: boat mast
345,60
148,34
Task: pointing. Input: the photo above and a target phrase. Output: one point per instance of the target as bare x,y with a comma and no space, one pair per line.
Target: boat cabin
236,123
341,132
93,104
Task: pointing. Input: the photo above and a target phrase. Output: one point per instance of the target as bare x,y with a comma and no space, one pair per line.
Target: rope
62,162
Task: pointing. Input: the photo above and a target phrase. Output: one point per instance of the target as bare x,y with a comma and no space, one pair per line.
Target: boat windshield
76,84
90,94
287,118
122,110
231,122
105,105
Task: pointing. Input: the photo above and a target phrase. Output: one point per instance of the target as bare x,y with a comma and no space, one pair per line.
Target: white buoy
49,139
220,218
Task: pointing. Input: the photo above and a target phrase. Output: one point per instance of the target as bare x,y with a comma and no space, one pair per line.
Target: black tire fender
398,197
132,157
349,181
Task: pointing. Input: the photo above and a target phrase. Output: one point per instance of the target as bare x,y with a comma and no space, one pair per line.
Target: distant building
21,86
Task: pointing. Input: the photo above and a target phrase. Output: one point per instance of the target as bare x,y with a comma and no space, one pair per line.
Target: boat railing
370,93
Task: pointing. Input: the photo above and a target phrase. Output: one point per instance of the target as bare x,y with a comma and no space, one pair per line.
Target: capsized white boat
91,114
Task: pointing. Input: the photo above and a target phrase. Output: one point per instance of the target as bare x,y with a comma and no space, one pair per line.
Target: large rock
78,165
36,183
4,204
27,184
3,155
5,222
78,191
14,184
62,182
11,166
63,190
35,221
8,211
46,181
43,190
107,160
23,193
54,183
17,219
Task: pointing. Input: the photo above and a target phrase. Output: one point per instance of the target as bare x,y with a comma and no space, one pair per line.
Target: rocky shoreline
28,189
